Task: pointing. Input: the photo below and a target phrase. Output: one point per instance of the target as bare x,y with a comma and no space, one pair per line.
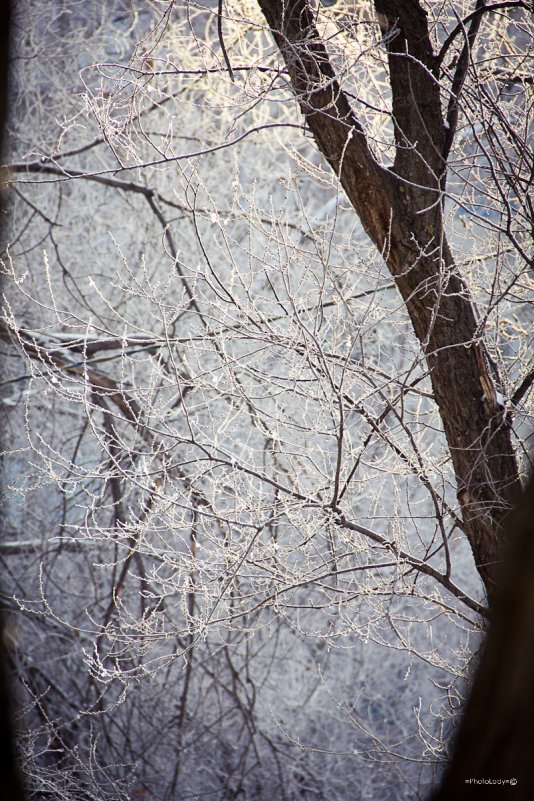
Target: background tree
235,449
402,210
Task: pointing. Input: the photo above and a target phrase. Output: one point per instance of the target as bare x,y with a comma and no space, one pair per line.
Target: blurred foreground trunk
10,782
494,750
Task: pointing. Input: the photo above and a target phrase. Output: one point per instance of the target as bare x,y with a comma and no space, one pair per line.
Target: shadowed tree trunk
10,782
401,210
495,737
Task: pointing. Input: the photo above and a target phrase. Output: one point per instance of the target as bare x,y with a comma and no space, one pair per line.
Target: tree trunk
10,779
401,211
494,744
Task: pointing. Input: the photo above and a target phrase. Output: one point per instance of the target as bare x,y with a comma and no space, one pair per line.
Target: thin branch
478,12
418,564
221,39
127,405
103,176
520,391
460,75
62,172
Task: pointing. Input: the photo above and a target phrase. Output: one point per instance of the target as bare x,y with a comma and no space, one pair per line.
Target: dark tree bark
401,211
495,737
10,781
